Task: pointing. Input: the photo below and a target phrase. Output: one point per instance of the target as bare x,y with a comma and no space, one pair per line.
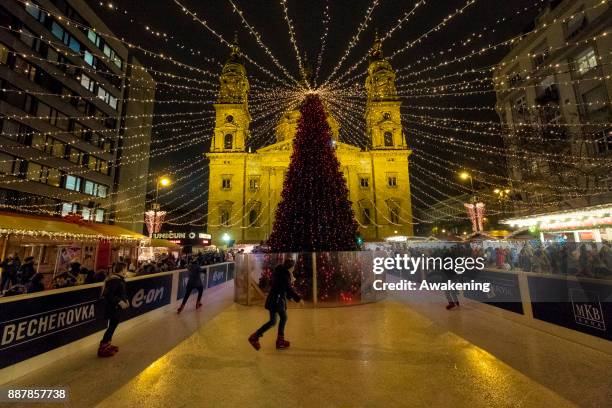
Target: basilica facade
245,186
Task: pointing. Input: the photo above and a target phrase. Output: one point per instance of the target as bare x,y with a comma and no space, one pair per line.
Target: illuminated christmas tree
314,213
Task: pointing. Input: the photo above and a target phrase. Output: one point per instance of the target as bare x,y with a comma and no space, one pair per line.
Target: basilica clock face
386,116
229,118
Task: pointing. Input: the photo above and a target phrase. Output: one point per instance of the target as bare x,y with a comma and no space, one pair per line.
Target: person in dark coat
194,282
27,270
10,268
36,283
115,300
276,303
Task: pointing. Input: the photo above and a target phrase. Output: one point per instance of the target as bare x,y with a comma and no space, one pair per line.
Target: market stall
587,224
55,243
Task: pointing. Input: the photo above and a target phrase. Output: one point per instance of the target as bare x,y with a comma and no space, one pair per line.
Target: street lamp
464,175
163,181
226,238
154,218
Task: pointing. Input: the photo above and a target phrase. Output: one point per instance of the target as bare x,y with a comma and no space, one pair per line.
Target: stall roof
586,217
40,226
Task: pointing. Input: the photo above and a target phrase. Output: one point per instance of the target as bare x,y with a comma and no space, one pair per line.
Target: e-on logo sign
152,296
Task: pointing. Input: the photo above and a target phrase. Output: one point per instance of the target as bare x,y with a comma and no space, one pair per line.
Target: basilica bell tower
232,118
382,113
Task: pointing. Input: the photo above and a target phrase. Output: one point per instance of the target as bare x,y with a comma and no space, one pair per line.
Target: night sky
129,18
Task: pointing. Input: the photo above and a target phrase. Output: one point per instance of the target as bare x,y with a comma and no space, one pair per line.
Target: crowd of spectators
21,277
578,259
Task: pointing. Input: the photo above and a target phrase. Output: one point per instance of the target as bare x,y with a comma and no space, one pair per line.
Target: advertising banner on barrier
577,305
182,284
147,294
33,326
184,277
30,327
504,290
216,275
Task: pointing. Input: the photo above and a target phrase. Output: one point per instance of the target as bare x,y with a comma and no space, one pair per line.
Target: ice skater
276,303
115,300
194,282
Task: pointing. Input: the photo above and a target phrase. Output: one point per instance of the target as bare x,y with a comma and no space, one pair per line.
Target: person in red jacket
276,303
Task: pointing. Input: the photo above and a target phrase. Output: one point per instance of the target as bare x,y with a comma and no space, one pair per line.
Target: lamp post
464,175
164,181
154,217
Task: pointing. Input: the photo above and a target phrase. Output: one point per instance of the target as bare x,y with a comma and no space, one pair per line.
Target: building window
367,217
93,37
34,171
254,183
596,103
89,187
540,55
392,181
576,24
76,156
57,30
68,208
364,182
393,212
73,183
388,139
585,61
6,163
604,143
107,97
253,217
86,213
225,217
87,82
90,59
22,67
99,215
102,191
4,52
226,184
228,141
35,12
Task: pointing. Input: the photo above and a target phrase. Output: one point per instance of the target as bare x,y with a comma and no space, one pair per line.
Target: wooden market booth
55,242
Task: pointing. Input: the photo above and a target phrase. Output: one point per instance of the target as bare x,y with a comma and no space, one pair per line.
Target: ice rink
388,354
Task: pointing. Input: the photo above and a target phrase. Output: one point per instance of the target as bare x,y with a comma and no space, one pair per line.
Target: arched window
228,141
225,217
394,211
253,218
388,139
367,218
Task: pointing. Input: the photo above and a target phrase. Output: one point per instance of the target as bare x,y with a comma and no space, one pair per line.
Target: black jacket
114,292
27,272
281,290
195,280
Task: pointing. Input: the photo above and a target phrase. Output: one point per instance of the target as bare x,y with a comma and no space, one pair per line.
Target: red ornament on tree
315,213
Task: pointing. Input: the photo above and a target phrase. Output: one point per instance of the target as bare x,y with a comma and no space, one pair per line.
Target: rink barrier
583,314
37,323
585,305
316,277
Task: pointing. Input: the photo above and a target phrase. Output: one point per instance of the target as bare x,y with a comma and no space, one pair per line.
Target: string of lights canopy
271,96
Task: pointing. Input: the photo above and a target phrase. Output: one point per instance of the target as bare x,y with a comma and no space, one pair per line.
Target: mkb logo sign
587,309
